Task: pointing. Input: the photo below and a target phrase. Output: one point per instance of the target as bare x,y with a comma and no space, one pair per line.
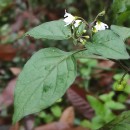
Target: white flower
68,18
77,23
99,26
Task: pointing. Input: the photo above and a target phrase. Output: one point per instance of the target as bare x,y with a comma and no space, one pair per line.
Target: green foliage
86,123
120,6
121,10
103,109
43,81
55,30
56,110
110,103
123,86
86,70
95,104
103,114
123,32
51,114
122,122
108,44
4,4
118,76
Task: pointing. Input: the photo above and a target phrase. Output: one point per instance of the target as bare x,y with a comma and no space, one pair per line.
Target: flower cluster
69,19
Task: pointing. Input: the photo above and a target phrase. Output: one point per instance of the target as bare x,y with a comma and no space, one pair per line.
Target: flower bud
84,31
87,37
102,13
83,42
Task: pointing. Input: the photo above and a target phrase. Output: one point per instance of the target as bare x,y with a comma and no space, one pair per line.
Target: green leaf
96,104
55,30
122,122
107,44
86,123
107,97
123,32
56,110
123,18
115,105
120,6
44,79
86,54
121,12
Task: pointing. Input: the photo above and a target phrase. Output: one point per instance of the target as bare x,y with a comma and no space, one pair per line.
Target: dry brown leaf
15,70
15,127
7,96
68,116
65,122
7,52
78,128
105,79
5,120
104,64
29,122
18,25
54,126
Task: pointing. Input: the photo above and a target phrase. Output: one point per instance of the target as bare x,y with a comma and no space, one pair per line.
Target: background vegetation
91,101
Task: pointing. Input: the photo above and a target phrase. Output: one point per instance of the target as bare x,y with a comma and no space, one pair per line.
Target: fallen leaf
105,79
15,127
15,70
5,120
7,96
7,52
105,64
54,126
65,122
78,128
25,15
29,122
77,97
68,116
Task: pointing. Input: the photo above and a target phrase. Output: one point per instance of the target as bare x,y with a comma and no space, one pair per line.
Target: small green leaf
56,110
115,105
107,44
44,79
107,97
122,122
96,104
123,32
54,30
49,118
86,123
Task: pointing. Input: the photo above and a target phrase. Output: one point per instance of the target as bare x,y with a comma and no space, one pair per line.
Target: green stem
83,20
123,77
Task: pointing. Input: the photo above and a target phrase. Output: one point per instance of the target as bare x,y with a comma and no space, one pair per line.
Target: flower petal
68,18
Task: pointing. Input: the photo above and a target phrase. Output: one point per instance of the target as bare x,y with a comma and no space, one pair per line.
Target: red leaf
77,97
7,52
